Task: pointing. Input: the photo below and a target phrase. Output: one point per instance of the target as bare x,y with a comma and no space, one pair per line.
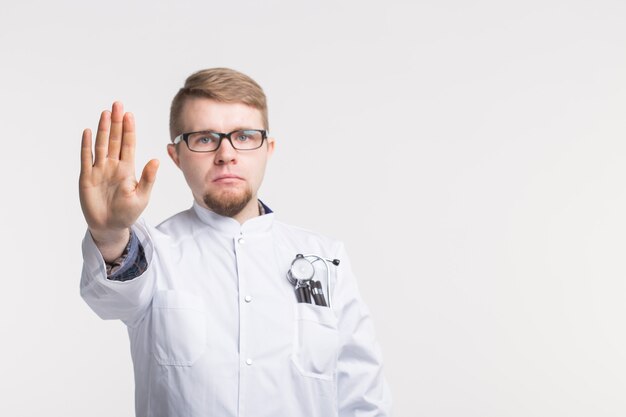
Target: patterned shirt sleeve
130,264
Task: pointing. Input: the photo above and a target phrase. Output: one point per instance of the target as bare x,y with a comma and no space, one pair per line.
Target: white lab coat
215,329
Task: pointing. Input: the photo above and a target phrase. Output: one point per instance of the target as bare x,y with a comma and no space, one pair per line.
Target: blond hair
220,84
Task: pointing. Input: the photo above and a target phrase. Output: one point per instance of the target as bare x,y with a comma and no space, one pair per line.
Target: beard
228,203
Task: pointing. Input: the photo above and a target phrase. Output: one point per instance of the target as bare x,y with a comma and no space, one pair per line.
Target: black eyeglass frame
185,137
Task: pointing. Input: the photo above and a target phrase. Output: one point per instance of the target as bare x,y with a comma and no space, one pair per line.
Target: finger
128,138
86,156
115,137
102,137
148,177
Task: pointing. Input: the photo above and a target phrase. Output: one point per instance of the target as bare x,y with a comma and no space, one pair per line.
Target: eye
242,137
203,138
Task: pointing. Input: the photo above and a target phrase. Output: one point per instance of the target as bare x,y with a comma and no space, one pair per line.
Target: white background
471,154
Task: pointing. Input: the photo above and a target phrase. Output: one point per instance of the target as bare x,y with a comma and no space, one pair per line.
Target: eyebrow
234,130
244,128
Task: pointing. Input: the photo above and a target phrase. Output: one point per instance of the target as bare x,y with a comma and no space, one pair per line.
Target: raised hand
111,197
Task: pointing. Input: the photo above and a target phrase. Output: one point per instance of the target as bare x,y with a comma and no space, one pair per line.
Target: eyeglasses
208,141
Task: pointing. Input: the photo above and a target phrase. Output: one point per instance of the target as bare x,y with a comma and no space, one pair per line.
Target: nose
225,154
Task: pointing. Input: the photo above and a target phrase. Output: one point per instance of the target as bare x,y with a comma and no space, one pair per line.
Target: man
215,325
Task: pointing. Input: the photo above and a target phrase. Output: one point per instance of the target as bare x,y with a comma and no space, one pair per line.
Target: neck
250,211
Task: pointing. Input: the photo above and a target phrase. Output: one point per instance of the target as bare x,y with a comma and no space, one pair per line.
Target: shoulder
179,224
298,236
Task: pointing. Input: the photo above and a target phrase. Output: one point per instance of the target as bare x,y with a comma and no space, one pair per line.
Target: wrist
111,244
110,237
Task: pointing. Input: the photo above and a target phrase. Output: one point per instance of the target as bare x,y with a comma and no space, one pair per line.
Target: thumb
148,176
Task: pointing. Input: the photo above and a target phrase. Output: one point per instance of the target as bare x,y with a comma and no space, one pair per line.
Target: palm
111,197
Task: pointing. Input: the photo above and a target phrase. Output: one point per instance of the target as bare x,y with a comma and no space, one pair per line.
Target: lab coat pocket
316,341
179,327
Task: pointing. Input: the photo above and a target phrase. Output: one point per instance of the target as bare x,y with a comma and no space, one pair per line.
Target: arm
112,200
115,299
361,387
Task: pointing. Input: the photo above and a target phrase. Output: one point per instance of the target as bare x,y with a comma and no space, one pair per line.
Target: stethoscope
301,274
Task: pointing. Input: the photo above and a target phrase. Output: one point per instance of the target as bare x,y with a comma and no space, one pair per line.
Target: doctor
214,324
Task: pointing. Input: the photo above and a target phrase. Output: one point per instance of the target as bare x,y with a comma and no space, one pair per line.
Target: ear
173,153
271,144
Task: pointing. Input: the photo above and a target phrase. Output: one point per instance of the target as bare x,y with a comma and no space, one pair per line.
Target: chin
228,203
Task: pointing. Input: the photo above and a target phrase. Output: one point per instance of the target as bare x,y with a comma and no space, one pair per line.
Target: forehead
199,113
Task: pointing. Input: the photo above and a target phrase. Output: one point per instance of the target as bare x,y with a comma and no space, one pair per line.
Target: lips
227,177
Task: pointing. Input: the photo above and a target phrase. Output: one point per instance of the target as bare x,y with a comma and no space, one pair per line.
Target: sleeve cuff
131,264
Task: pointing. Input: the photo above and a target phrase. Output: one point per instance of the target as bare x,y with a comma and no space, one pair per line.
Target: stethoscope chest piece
301,269
301,275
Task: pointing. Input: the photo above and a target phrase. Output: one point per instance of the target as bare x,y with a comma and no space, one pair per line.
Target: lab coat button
248,361
241,241
248,298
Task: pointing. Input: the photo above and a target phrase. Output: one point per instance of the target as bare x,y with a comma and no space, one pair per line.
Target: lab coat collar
230,226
